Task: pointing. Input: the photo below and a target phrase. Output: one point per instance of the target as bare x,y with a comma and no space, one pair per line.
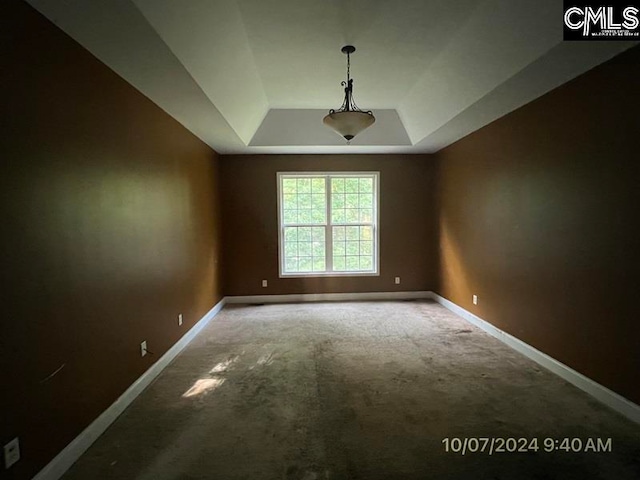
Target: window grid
328,224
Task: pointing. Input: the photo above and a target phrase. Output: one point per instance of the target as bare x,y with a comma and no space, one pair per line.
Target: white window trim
328,238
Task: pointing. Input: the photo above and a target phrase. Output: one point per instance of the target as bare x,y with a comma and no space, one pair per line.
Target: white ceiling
257,76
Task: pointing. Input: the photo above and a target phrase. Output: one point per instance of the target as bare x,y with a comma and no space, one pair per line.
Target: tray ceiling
255,76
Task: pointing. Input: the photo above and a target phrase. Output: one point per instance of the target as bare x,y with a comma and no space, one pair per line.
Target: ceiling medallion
349,120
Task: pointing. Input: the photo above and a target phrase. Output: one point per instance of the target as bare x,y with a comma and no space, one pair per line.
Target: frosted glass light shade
348,124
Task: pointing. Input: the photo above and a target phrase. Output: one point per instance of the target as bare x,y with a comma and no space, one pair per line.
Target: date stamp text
500,445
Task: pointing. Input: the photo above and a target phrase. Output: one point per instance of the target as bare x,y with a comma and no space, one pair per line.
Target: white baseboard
328,297
72,452
600,392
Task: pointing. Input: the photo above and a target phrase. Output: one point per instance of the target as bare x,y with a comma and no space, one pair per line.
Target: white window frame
328,237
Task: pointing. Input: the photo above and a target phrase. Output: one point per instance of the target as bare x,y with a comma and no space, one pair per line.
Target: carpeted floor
363,390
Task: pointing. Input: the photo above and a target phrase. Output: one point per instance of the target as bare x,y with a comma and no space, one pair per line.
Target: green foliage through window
328,223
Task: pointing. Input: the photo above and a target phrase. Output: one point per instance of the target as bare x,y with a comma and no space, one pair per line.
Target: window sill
329,274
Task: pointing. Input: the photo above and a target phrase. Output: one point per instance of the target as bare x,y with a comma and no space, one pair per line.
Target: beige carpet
365,390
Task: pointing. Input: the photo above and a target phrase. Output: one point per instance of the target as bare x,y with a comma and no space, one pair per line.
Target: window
328,223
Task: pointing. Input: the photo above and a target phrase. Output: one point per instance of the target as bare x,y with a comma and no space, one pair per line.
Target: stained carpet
362,390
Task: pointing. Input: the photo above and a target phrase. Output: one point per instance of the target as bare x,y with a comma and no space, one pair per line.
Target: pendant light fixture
348,120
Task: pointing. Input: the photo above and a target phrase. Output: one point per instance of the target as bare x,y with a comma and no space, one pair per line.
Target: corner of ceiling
212,44
458,77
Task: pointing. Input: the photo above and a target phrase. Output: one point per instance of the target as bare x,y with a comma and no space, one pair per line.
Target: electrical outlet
264,283
179,319
11,452
397,280
475,299
143,348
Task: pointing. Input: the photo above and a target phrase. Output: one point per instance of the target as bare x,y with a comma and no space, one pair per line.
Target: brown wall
110,228
250,216
538,216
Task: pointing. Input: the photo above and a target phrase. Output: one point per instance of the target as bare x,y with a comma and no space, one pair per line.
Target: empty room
320,240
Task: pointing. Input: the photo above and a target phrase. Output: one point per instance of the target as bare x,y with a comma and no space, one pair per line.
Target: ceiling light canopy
348,120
